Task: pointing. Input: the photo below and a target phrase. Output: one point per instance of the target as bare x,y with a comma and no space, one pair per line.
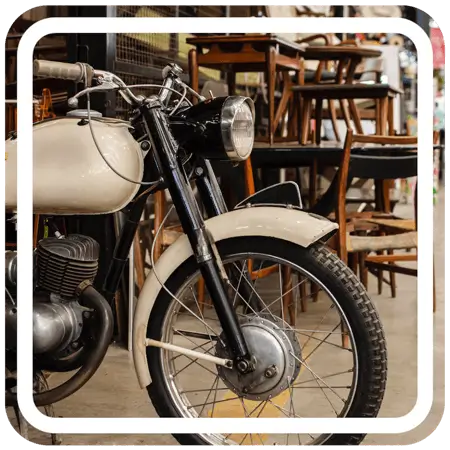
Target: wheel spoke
210,403
280,278
243,299
240,279
207,398
324,377
303,363
321,342
195,315
259,297
192,342
191,391
201,313
321,322
194,361
287,292
284,411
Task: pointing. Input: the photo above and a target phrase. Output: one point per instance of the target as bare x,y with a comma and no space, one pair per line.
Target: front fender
291,225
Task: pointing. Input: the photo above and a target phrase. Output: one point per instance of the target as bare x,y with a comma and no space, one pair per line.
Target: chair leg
355,116
303,297
344,335
288,298
159,203
392,279
346,114
201,294
333,116
363,276
139,261
353,262
380,277
306,117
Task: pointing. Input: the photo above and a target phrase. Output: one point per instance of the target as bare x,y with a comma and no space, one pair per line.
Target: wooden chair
397,234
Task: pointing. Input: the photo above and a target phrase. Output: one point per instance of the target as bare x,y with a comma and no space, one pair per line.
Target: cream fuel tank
69,174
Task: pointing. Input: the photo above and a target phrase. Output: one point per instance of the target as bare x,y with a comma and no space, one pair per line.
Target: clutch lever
104,87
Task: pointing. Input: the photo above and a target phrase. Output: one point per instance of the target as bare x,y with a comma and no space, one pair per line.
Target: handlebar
65,71
84,73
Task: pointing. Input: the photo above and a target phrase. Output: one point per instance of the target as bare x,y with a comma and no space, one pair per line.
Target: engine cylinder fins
75,246
63,264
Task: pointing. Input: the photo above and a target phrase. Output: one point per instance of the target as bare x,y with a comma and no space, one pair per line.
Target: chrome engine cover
61,266
55,324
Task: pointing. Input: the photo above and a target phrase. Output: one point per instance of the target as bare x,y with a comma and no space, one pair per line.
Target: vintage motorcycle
242,344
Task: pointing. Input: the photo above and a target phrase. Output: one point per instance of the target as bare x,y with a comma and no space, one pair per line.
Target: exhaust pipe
90,297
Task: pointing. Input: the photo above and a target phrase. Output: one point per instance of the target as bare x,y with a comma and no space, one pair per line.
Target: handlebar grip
54,69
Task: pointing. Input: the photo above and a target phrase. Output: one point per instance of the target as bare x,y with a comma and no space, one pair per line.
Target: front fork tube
165,148
215,205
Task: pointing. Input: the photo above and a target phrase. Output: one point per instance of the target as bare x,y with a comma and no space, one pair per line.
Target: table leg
193,72
377,116
383,115
391,116
312,184
318,116
270,76
231,81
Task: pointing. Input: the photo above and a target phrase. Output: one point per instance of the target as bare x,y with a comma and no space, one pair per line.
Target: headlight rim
230,105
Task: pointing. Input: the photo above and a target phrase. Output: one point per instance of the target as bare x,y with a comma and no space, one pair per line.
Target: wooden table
383,94
348,58
249,53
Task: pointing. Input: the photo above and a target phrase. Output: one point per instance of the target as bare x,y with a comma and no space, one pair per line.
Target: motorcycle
189,353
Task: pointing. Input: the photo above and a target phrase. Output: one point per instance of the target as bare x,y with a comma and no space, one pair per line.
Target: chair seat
347,91
377,243
326,75
401,224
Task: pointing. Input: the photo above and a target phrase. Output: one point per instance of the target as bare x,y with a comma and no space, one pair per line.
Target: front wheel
317,339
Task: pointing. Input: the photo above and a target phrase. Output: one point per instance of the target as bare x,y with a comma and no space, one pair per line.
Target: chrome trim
229,109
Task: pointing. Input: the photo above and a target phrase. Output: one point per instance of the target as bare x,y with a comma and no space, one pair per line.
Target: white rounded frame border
226,425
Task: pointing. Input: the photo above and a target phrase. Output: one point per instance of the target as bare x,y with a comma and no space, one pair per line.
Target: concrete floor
113,391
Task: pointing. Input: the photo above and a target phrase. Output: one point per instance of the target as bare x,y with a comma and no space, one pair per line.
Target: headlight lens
238,131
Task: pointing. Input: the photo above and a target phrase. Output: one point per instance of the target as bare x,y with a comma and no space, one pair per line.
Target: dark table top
292,154
347,90
333,52
253,39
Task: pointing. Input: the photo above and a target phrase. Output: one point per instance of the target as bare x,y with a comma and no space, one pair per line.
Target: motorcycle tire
320,262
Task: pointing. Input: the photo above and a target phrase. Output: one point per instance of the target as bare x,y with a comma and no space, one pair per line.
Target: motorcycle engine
61,265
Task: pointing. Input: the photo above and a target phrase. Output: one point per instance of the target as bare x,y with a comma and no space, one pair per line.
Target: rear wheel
322,358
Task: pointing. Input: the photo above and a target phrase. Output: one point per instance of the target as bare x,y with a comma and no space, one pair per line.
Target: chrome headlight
220,128
237,126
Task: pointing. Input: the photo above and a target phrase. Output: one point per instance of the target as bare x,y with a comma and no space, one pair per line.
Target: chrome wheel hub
273,344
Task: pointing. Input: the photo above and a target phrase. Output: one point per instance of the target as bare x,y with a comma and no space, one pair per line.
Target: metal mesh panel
146,50
136,52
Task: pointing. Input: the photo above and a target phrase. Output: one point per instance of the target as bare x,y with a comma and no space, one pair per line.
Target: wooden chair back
350,140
